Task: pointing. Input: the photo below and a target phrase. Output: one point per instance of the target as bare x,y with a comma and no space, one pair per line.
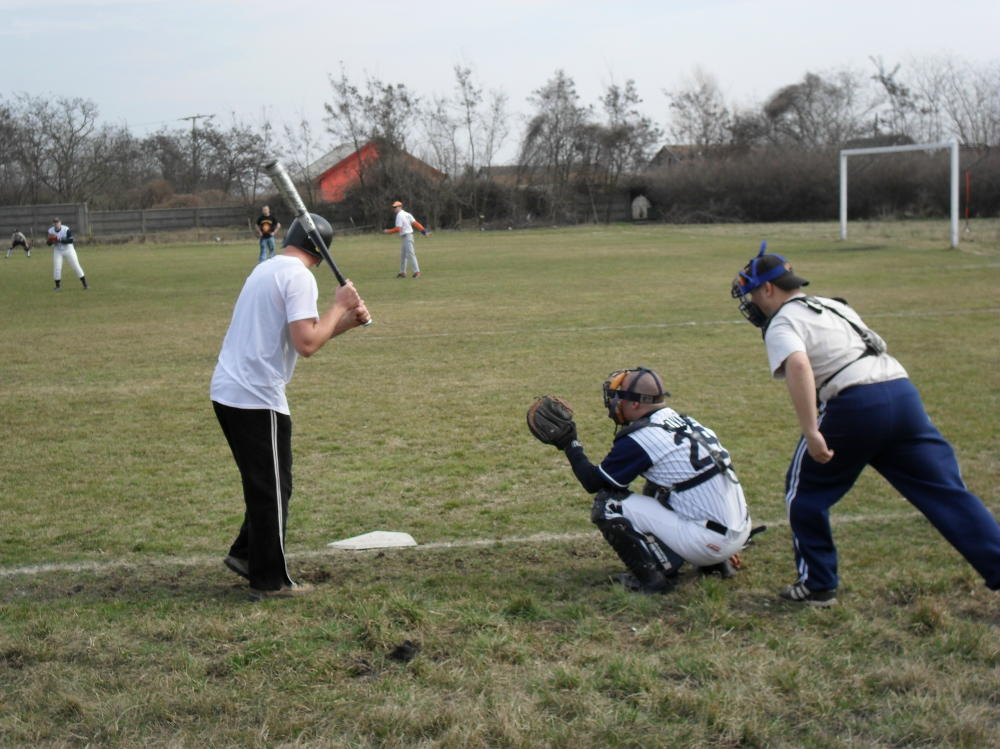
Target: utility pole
194,151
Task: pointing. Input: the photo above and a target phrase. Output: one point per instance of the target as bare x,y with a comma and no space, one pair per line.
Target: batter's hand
361,314
817,447
347,296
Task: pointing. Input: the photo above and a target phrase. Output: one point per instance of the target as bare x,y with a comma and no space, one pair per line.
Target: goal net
952,145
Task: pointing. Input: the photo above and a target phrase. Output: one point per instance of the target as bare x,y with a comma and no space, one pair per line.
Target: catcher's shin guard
645,556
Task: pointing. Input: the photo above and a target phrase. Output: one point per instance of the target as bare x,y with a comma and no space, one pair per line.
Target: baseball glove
550,419
51,239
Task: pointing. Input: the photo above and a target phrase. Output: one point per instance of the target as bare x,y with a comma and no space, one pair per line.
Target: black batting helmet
296,236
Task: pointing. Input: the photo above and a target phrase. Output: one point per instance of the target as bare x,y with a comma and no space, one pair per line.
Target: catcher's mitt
550,419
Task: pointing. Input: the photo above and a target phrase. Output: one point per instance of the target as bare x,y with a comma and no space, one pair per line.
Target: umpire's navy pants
261,442
884,426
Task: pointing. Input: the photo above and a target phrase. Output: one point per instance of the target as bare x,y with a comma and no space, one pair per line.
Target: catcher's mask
760,270
296,236
615,392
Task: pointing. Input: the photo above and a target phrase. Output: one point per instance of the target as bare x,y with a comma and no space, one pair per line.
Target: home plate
375,540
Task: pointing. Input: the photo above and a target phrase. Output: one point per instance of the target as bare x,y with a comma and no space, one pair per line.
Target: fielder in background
855,407
404,225
692,507
17,239
275,321
267,227
60,237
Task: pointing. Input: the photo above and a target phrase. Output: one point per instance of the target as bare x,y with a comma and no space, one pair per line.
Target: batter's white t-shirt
830,342
257,357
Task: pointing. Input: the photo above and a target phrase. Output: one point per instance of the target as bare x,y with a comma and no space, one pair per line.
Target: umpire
855,407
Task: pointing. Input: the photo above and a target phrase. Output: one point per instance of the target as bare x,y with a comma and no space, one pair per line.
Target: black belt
717,527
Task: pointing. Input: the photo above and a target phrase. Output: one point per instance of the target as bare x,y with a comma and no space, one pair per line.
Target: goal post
952,145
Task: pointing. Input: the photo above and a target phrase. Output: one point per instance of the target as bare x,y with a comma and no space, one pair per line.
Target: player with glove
692,507
60,238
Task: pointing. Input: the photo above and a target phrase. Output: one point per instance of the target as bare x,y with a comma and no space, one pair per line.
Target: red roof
335,181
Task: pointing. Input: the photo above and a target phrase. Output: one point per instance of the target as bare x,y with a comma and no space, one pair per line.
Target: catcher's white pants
697,544
407,253
65,252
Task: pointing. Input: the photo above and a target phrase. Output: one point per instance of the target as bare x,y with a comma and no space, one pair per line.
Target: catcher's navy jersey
672,455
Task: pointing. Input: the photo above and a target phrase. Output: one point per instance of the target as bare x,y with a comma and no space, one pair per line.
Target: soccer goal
951,144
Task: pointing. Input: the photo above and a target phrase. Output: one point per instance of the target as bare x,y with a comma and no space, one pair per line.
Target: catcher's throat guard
615,391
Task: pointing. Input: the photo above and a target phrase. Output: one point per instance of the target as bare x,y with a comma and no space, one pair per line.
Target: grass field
120,627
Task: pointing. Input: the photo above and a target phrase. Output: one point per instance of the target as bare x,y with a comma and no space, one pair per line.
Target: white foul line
649,325
204,560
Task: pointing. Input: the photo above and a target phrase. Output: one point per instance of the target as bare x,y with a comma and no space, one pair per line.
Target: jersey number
704,437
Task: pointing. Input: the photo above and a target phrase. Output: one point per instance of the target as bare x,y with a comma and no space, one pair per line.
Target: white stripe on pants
67,252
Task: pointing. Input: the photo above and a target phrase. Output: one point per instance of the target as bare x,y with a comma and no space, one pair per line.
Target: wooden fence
33,220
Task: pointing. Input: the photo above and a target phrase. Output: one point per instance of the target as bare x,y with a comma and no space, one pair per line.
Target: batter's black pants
261,442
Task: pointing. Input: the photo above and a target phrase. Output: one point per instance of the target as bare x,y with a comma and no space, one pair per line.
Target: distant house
342,168
880,141
675,154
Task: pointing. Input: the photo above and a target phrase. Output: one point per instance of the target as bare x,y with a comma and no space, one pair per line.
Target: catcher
692,507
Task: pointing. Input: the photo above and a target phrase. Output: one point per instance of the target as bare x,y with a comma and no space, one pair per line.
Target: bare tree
463,134
629,136
301,149
234,157
555,135
819,111
441,131
699,113
965,98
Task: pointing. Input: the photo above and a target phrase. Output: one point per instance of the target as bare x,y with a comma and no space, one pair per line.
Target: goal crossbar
952,145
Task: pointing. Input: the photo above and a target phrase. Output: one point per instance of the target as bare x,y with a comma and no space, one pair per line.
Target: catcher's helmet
622,386
296,236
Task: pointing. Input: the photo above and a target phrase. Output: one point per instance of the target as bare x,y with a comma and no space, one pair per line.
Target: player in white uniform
275,320
692,508
405,224
60,237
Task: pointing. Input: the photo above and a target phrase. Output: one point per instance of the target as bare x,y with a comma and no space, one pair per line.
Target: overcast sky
148,63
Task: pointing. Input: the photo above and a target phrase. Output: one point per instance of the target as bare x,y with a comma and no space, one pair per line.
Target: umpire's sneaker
799,593
240,566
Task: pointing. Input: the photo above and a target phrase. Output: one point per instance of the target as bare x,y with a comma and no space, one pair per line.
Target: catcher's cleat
799,593
659,584
725,570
